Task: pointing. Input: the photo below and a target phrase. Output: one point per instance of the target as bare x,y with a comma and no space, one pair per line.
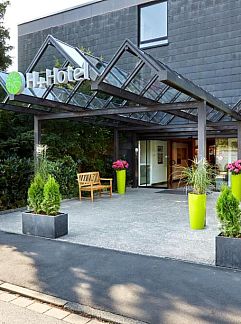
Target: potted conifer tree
228,242
44,218
199,177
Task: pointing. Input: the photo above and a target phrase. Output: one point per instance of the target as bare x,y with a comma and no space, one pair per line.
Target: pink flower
234,167
236,164
120,165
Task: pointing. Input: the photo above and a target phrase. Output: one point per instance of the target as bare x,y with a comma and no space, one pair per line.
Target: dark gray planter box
45,225
228,252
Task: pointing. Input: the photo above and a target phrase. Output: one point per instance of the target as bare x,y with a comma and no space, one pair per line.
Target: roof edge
62,11
70,15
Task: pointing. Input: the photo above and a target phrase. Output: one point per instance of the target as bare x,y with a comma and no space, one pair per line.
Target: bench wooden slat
91,181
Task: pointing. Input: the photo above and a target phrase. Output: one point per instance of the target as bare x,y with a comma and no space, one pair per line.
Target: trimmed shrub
228,213
36,194
51,197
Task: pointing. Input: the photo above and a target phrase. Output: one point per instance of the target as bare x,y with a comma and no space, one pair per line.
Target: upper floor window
153,24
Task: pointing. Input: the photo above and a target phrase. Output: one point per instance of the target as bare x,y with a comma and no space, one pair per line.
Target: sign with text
16,82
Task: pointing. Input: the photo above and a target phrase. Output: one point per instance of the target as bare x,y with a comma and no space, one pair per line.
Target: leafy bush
51,197
85,148
89,146
228,213
16,135
64,171
15,176
36,194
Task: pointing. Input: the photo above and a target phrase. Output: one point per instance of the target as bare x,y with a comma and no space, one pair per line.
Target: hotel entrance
160,162
153,163
182,152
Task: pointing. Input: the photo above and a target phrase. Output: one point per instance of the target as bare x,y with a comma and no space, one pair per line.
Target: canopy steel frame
122,110
144,113
167,76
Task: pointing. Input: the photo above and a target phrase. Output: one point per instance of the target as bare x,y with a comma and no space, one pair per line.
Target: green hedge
15,176
65,173
72,147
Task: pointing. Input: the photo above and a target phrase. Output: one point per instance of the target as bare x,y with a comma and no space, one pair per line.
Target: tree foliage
5,59
15,176
52,197
64,171
73,146
16,135
36,194
228,213
90,146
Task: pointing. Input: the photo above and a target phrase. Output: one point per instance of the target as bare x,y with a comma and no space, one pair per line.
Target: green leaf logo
15,83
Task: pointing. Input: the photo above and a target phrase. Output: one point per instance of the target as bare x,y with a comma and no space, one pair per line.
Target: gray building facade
203,37
200,39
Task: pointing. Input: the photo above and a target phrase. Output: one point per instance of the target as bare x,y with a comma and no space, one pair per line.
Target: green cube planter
236,185
121,181
197,210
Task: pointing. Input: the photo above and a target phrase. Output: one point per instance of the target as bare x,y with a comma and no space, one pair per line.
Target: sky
21,11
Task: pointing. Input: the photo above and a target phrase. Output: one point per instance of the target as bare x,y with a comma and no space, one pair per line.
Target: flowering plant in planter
120,165
234,167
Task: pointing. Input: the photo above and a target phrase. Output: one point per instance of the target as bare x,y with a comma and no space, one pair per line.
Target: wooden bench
91,181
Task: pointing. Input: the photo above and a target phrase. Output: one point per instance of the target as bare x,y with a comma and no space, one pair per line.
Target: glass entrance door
152,163
179,159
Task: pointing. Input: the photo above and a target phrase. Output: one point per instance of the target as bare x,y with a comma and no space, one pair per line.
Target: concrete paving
146,288
12,314
36,306
143,221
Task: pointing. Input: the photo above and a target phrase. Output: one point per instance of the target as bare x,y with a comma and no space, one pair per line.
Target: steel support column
116,144
202,131
239,139
134,161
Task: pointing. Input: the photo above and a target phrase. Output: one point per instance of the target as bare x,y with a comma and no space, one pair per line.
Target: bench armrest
106,179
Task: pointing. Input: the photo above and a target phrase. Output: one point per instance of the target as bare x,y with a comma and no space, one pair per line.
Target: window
153,25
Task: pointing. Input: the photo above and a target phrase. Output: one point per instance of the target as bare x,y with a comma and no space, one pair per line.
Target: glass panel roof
72,53
154,91
79,99
135,72
168,95
3,76
183,97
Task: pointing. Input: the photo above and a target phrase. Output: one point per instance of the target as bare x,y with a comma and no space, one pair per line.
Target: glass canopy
134,88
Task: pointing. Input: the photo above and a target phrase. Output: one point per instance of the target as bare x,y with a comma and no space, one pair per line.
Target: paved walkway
144,221
12,314
146,288
15,309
